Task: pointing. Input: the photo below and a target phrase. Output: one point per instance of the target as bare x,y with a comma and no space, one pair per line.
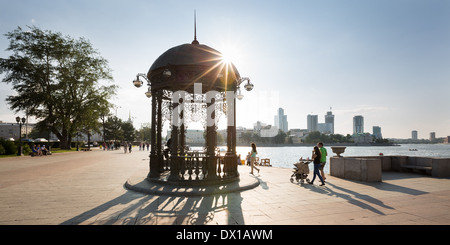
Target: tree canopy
57,80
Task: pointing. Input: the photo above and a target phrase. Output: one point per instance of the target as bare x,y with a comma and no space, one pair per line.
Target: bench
419,164
265,162
416,167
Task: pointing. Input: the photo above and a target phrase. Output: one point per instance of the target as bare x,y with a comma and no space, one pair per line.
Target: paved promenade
88,188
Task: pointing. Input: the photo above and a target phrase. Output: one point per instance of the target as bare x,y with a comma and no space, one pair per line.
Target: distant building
258,126
414,135
281,120
312,123
11,130
325,128
447,140
265,130
432,136
377,132
362,138
297,135
192,136
329,120
358,124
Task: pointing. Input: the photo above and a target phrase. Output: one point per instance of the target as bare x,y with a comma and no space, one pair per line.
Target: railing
192,167
197,167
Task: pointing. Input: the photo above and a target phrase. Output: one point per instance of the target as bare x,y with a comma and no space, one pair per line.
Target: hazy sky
387,60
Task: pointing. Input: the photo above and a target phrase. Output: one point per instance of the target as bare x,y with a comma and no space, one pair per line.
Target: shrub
9,147
2,150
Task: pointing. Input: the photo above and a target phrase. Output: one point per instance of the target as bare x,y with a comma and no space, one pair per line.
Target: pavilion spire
195,28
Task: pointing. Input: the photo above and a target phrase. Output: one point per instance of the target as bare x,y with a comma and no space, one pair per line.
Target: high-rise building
358,124
329,121
377,132
281,120
414,134
325,128
312,123
432,136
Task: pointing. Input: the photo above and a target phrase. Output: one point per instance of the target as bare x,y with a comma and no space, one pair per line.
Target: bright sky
387,60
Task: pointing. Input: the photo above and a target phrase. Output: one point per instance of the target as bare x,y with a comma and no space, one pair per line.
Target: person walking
248,158
316,159
125,147
323,159
253,161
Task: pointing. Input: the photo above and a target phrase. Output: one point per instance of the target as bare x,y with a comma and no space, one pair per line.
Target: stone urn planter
338,150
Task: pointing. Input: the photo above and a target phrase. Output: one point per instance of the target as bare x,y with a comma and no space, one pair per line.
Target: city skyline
385,60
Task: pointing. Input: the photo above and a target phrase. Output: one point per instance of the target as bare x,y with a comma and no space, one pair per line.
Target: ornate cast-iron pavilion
191,83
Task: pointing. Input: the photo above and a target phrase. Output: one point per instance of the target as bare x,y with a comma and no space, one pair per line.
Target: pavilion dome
192,62
188,54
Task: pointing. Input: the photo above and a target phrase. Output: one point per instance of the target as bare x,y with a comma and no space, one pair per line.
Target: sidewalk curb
143,185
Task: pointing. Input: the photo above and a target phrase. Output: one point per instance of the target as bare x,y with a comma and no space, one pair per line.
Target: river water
284,157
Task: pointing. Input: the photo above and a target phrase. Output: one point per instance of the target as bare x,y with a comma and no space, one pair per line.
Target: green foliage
9,147
26,149
112,129
2,150
116,129
57,80
280,138
315,137
129,132
144,133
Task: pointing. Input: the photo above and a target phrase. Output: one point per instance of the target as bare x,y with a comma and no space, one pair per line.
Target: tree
113,129
246,137
316,136
129,132
144,133
280,138
57,80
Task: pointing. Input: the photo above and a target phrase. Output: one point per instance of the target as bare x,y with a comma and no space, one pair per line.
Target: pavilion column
211,136
181,144
174,159
154,165
230,160
182,138
231,122
159,148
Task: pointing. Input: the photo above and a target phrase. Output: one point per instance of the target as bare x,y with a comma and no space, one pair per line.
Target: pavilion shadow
133,208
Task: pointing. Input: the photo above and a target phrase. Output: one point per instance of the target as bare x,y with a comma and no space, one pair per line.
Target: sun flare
227,59
230,54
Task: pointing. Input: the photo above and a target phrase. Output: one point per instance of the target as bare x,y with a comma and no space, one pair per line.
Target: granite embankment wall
369,168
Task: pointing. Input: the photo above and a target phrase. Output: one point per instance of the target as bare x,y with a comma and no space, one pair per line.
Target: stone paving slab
88,188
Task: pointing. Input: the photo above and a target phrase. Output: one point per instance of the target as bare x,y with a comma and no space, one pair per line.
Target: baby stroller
301,171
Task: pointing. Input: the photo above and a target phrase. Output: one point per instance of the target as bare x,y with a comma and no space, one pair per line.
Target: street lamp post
138,83
49,125
20,122
249,87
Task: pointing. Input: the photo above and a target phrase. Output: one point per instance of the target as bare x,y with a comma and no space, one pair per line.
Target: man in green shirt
323,158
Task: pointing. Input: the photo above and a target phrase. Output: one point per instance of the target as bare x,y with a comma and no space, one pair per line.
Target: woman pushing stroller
316,159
